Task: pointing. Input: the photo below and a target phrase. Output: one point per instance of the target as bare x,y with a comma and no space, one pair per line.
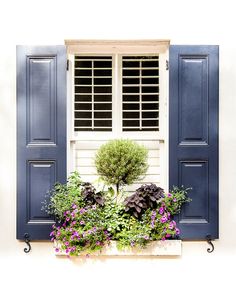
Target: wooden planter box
156,248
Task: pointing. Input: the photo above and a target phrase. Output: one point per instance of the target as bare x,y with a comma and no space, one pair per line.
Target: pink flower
163,219
161,210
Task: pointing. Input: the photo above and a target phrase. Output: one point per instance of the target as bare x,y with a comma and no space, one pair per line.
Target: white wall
182,21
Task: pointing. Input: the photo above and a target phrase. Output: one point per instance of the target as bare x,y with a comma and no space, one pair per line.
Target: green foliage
62,196
121,162
86,225
147,196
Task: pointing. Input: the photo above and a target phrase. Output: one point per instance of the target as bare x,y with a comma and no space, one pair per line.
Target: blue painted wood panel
193,136
41,176
41,104
41,134
190,175
193,103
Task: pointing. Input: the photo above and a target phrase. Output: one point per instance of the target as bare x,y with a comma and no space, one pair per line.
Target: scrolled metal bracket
27,241
209,241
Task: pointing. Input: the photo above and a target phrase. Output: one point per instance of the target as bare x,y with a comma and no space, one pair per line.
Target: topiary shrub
121,162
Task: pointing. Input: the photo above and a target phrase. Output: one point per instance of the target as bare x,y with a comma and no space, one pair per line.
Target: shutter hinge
67,65
167,65
27,241
209,241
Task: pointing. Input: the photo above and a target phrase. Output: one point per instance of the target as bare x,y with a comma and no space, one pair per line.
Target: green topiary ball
120,162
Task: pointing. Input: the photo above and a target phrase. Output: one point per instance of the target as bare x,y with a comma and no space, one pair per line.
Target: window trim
116,46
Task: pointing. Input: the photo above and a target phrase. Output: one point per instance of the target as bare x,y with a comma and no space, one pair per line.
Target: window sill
157,248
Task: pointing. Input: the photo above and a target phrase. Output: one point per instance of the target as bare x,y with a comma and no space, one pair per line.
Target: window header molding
116,46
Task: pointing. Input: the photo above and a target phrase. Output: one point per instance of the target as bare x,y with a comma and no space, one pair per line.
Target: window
118,91
43,151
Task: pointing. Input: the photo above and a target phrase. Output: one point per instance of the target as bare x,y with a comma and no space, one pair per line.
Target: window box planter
156,248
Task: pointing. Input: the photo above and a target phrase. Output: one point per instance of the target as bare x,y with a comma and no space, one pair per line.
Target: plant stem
117,192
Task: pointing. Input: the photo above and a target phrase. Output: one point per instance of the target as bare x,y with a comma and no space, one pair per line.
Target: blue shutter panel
193,136
41,134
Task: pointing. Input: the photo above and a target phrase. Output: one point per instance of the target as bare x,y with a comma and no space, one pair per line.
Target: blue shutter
193,136
41,134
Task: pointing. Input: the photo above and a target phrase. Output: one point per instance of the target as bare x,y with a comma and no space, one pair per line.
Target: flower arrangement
88,219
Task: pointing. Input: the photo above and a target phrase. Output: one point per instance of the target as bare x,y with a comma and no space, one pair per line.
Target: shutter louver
93,93
140,93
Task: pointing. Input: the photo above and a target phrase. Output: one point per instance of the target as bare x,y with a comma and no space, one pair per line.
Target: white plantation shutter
140,93
93,93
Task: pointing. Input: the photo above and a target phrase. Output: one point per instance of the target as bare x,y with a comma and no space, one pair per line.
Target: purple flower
76,234
94,207
98,243
52,239
177,231
152,224
57,250
174,200
82,211
163,239
66,243
68,250
74,206
171,225
169,195
94,229
163,219
82,222
168,235
161,210
67,219
146,237
153,216
52,233
132,244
